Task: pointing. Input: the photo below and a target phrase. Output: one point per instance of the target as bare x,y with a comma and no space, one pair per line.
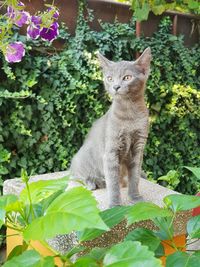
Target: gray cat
113,149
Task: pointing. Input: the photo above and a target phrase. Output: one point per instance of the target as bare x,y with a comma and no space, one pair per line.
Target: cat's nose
116,87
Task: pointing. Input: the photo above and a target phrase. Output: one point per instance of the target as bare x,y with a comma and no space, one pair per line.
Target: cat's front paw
115,204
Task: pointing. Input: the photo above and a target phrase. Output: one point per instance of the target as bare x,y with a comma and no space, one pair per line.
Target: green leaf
2,217
86,261
76,209
145,236
142,13
193,227
145,211
159,252
158,9
7,200
18,250
111,217
194,170
73,251
44,203
129,254
180,259
97,253
166,227
43,189
178,202
30,258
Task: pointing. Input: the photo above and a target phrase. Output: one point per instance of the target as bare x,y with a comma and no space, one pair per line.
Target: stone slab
150,192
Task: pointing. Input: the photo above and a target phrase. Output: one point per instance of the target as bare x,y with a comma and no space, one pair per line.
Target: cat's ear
104,62
144,61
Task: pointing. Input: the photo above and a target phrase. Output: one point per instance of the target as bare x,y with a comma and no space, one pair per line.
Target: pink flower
15,52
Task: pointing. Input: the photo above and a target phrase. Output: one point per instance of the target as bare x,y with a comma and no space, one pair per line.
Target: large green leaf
145,236
111,217
193,227
129,254
42,189
180,259
194,170
5,203
30,258
6,200
74,210
178,202
144,211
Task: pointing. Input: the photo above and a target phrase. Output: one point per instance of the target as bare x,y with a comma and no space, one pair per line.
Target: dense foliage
49,100
44,209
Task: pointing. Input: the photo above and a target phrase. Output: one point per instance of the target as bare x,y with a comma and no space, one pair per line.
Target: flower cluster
43,25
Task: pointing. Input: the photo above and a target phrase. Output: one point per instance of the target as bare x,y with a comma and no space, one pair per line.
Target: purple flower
33,30
19,17
15,52
49,34
56,15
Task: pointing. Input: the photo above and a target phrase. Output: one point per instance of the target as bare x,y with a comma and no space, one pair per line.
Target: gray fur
113,149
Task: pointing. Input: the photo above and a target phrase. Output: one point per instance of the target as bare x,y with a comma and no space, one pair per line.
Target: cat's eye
127,78
109,78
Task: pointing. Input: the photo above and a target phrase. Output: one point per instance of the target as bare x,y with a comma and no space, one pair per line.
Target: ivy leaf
43,189
30,258
145,236
145,211
178,202
128,254
194,170
111,217
193,227
180,259
74,210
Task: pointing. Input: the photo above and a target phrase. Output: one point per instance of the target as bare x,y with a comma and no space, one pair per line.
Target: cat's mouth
121,93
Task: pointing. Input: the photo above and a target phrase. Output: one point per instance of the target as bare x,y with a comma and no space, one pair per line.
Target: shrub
49,100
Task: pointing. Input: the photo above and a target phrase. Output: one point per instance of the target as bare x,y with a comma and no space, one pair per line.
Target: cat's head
126,77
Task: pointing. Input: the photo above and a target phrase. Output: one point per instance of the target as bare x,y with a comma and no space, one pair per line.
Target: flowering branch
42,25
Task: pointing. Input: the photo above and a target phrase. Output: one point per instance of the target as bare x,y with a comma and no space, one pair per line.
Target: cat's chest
128,134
